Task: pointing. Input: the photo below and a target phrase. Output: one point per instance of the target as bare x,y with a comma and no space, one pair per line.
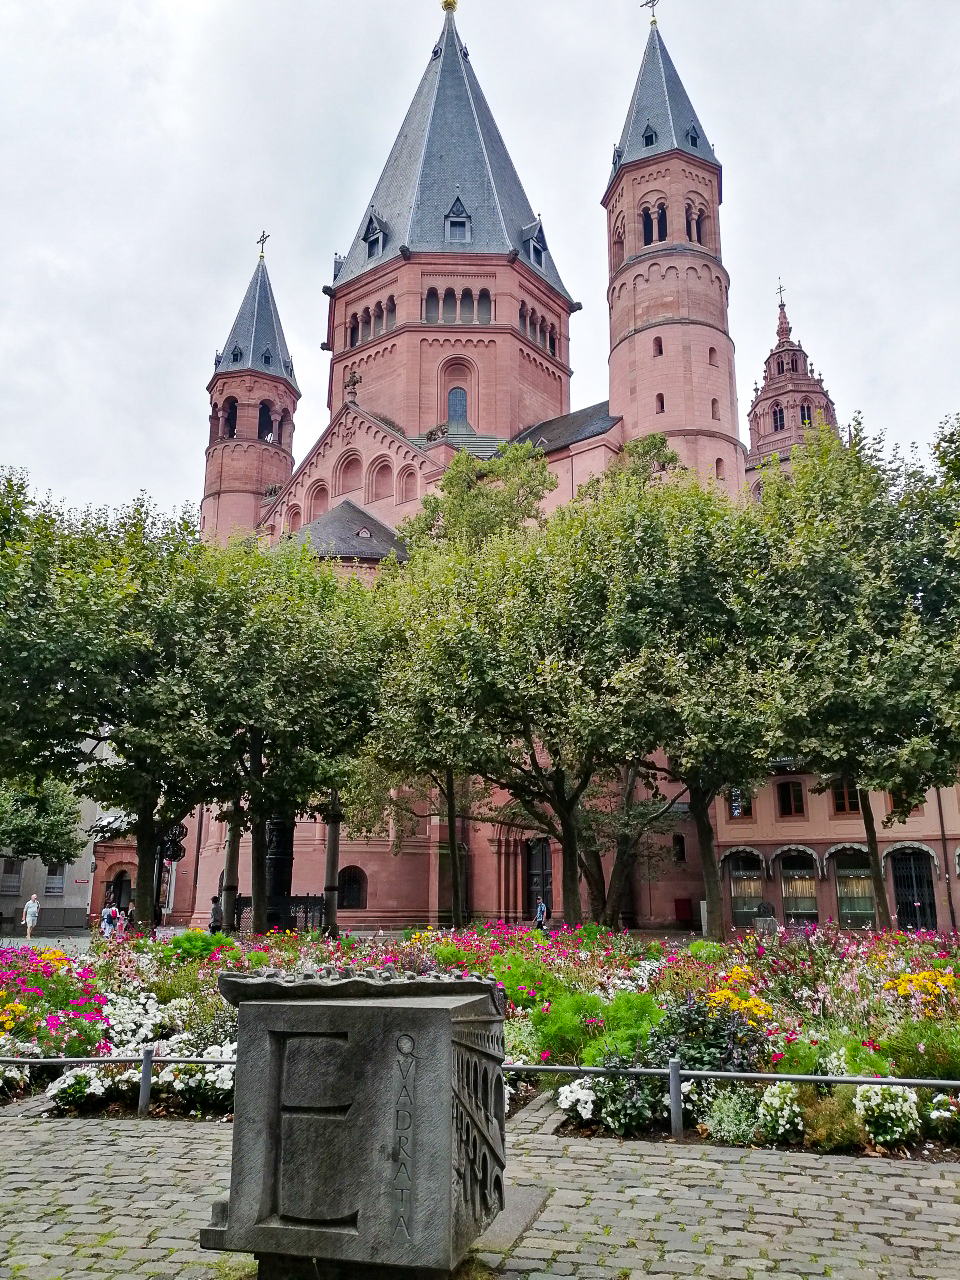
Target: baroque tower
791,400
253,398
671,355
449,306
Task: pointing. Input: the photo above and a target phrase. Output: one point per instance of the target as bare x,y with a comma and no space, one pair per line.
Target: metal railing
675,1073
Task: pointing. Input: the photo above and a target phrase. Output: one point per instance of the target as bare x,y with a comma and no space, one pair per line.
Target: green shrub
831,1123
706,1039
566,1024
654,951
629,1019
925,1050
527,982
195,944
708,952
449,956
257,959
732,1116
627,1105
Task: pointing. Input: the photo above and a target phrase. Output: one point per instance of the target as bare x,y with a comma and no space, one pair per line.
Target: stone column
280,833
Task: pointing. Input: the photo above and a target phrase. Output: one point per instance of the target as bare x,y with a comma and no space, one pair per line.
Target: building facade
448,330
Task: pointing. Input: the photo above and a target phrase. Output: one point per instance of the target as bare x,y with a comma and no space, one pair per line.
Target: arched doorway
539,879
913,889
120,891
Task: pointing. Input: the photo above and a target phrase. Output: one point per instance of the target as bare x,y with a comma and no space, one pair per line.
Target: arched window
284,428
794,364
484,307
701,227
523,318
352,889
294,520
265,423
431,311
450,307
746,887
381,482
779,418
351,475
378,320
407,486
780,365
798,881
365,325
552,341
466,307
457,405
648,236
806,415
719,469
354,330
661,404
391,313
691,224
713,358
230,420
662,223
657,347
318,503
715,410
618,251
543,333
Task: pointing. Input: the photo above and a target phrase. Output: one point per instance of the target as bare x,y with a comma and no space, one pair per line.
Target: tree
41,820
865,549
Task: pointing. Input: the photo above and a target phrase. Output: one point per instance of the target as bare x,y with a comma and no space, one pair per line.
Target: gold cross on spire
652,6
262,242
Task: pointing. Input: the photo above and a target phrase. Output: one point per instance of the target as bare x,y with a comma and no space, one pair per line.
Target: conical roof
661,110
449,162
256,340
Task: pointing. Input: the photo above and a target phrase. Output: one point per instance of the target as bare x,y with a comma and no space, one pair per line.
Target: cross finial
262,242
652,6
781,290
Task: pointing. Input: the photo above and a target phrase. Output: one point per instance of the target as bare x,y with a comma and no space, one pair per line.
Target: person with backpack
216,916
541,916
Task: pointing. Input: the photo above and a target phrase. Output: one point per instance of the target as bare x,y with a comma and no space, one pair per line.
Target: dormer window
536,243
375,237
694,138
536,254
457,224
236,355
267,358
649,136
364,533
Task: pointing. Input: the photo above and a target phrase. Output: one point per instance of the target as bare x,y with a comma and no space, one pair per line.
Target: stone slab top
331,983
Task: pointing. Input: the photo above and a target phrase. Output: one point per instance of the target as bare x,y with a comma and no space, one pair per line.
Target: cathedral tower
671,356
791,400
253,397
449,306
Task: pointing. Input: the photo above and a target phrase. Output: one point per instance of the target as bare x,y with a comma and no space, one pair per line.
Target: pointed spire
256,341
449,149
661,116
784,328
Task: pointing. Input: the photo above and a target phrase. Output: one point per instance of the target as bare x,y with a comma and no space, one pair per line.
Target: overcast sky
144,144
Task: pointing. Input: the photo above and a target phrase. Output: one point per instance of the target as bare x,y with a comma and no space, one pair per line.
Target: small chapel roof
256,341
449,164
347,532
571,428
662,111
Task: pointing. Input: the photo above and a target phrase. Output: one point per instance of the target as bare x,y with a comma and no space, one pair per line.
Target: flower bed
819,1002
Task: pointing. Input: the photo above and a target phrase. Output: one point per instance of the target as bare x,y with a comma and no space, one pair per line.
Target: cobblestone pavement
82,1199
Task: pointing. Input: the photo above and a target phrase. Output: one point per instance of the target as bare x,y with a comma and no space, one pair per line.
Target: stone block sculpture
369,1123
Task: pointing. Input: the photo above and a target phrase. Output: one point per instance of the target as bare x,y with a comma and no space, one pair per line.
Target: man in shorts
31,913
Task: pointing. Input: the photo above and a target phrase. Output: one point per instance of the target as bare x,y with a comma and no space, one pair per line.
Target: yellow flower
753,1009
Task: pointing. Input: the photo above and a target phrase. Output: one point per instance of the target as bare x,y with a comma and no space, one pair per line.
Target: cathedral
449,329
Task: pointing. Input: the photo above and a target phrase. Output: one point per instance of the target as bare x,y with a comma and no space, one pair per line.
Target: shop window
746,887
856,906
798,881
790,799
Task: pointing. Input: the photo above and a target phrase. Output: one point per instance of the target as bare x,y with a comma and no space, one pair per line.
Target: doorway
539,876
121,891
913,888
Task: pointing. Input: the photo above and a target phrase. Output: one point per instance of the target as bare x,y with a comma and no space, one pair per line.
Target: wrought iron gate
913,887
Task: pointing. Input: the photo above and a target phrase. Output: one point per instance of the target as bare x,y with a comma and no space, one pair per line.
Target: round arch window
457,405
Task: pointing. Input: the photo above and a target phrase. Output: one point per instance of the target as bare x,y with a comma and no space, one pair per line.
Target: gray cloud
144,144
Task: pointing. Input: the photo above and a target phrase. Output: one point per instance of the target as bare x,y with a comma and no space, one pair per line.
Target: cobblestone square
83,1199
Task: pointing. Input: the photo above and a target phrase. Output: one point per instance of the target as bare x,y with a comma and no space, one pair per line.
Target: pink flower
544,1057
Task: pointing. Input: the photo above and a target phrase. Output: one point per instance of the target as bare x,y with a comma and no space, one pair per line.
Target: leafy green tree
864,548
41,820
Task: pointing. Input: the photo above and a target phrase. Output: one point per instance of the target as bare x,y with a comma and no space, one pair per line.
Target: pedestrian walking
31,913
216,916
106,919
541,916
121,926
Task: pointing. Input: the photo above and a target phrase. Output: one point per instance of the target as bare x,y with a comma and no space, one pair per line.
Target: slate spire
661,116
256,341
449,164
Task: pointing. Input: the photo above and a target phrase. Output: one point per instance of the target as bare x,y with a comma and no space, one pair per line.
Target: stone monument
369,1125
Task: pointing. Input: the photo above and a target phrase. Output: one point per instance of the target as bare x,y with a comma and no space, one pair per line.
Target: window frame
796,788
738,796
846,800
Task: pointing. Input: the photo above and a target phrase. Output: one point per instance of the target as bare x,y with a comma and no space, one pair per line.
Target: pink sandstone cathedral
449,329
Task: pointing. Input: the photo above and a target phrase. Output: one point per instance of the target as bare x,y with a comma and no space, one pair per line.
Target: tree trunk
570,849
456,889
619,881
331,884
231,871
881,901
700,802
258,874
147,854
